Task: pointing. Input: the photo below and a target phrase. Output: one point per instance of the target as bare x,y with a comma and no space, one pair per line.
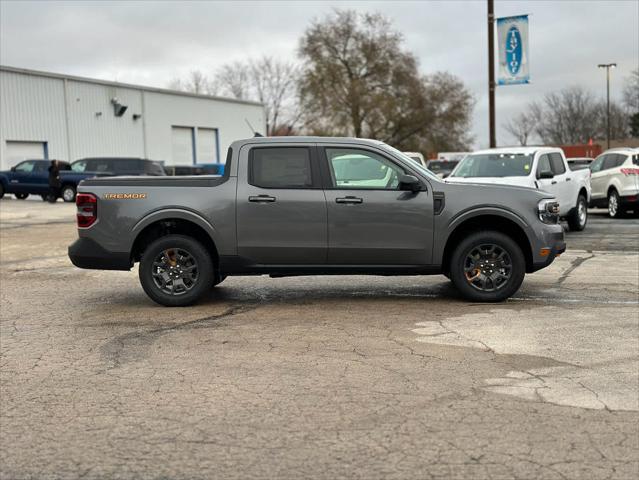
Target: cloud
152,43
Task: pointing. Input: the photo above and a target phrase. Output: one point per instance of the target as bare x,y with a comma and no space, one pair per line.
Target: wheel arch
170,222
505,223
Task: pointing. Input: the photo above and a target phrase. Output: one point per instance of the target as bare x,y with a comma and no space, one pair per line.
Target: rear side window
99,165
44,167
635,159
154,168
557,163
620,159
281,167
610,162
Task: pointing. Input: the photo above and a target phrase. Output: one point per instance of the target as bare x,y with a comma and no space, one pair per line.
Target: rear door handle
349,199
554,182
568,179
261,199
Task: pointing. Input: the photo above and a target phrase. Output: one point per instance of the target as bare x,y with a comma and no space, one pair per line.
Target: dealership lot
324,377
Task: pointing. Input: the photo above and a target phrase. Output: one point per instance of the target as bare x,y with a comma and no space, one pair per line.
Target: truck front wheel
487,266
176,271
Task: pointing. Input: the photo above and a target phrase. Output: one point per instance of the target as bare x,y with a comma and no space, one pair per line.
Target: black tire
614,205
21,196
1,190
578,219
204,269
512,272
68,193
44,197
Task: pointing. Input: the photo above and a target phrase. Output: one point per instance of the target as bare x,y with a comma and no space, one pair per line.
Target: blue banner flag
512,37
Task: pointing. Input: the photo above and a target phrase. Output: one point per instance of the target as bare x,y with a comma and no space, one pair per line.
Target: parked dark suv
115,166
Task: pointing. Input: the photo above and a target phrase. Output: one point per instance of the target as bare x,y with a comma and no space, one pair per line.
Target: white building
52,116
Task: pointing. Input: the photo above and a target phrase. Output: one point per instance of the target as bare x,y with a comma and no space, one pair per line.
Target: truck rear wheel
487,266
578,218
176,271
21,196
68,193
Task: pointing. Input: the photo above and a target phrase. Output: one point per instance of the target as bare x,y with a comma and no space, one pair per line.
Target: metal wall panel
32,110
94,130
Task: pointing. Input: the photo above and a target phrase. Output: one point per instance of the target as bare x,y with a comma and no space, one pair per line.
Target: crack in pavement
118,352
574,264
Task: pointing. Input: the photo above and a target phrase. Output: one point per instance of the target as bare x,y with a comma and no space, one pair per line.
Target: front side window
79,166
557,164
596,165
280,167
361,169
544,165
25,167
495,165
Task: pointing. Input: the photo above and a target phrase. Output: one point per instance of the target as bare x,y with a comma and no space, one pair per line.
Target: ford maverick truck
314,206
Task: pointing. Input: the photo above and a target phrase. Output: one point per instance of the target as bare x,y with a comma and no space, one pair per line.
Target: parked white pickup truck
543,168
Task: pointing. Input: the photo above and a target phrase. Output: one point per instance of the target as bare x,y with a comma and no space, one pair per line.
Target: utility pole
607,66
491,73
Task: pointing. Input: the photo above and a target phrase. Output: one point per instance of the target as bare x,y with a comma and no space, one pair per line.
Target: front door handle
261,199
568,179
554,182
349,199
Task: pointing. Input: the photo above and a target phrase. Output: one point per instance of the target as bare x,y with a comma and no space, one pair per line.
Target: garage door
18,151
207,145
182,146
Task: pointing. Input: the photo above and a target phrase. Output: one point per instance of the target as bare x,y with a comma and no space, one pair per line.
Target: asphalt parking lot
316,377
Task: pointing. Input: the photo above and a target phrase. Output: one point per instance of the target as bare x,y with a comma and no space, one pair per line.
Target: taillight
87,214
630,171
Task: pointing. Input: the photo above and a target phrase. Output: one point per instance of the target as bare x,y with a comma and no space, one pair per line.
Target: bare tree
522,127
269,81
357,80
631,92
567,117
234,80
631,102
196,82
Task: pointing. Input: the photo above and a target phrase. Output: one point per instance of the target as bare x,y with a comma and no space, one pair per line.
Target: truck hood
497,192
517,181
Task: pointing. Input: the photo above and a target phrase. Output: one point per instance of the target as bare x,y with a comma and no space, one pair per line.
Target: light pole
607,66
491,75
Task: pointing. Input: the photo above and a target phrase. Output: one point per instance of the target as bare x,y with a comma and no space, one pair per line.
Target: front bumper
550,239
87,253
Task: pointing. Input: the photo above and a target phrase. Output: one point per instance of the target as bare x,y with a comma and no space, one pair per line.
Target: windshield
495,165
411,162
442,165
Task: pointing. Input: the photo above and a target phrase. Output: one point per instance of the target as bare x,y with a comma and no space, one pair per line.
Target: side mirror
13,169
545,174
409,182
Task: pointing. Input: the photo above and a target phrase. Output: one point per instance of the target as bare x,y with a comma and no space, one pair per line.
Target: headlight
548,210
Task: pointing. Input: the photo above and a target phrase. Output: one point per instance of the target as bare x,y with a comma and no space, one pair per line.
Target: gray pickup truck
314,206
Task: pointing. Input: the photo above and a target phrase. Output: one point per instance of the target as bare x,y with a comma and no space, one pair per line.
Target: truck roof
520,150
310,139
